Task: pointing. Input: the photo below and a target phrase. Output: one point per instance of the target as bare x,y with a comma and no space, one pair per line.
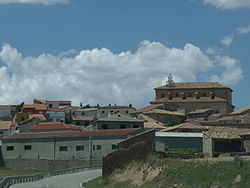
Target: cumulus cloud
227,40
44,2
244,30
229,4
232,72
101,76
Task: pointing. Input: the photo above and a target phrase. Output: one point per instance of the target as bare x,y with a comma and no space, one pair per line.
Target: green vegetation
186,150
157,173
13,172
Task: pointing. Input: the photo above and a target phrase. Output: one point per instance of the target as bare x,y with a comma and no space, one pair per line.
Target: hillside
200,173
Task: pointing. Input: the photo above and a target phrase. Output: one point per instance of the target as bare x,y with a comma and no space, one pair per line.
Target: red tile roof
39,116
35,106
74,134
5,125
54,126
55,109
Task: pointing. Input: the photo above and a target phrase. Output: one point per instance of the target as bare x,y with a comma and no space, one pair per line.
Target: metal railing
11,180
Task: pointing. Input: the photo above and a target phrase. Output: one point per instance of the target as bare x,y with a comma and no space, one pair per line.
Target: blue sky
117,51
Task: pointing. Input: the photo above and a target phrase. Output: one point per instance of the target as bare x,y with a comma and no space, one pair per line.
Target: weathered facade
105,111
195,95
63,145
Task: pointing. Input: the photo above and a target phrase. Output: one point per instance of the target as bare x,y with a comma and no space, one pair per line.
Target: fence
11,180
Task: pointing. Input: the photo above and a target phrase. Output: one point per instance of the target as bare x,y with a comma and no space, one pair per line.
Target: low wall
48,165
134,148
175,155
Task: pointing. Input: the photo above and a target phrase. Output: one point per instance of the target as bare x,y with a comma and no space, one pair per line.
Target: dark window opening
123,126
135,126
204,94
63,148
83,113
190,94
98,147
113,146
176,94
103,112
27,147
10,148
104,126
162,95
50,105
78,148
93,147
126,111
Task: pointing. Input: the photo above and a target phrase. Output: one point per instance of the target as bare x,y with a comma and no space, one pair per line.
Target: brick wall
134,148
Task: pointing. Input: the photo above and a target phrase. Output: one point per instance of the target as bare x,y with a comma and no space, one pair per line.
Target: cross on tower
170,82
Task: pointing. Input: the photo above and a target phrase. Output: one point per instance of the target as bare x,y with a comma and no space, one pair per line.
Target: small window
78,148
27,147
93,147
103,112
113,146
73,113
10,148
126,111
104,126
162,95
98,147
176,94
190,94
204,94
123,126
63,148
50,105
135,126
83,113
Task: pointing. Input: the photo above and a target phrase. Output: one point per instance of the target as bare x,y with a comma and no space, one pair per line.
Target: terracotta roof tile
158,111
53,126
5,125
225,132
185,126
244,109
36,106
188,99
74,134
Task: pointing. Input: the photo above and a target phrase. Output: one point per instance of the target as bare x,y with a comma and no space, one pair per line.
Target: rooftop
5,125
178,134
35,106
226,132
54,126
199,111
151,123
242,110
194,85
70,134
158,111
116,107
185,126
147,108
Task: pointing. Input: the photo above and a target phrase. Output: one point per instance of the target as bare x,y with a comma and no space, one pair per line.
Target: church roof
188,99
194,85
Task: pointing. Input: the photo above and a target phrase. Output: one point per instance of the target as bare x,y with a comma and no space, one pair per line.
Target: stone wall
133,148
175,155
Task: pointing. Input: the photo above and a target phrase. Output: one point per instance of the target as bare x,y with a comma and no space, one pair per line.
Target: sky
117,52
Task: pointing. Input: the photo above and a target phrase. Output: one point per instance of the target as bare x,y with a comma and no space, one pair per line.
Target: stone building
105,111
190,96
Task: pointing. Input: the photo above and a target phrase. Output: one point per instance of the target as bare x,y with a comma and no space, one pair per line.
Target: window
135,126
190,94
63,148
204,94
50,106
126,111
98,147
104,126
83,113
93,147
10,148
73,113
162,95
113,146
103,112
27,147
78,148
176,94
123,126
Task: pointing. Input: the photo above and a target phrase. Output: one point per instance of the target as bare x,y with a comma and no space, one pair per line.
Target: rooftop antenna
170,82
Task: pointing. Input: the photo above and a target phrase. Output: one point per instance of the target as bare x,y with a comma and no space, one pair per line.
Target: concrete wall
48,165
117,124
208,148
53,104
102,112
56,116
50,148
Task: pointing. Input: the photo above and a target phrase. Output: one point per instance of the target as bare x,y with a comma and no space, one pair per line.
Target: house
83,116
178,140
200,114
83,120
146,109
63,145
49,127
219,140
8,128
118,121
243,111
34,108
56,115
195,95
52,104
105,111
166,117
5,111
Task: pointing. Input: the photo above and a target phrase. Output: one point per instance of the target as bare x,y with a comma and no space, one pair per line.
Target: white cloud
229,4
101,76
243,30
44,2
227,40
232,72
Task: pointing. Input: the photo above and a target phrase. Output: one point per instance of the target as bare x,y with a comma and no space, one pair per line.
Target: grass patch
14,172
